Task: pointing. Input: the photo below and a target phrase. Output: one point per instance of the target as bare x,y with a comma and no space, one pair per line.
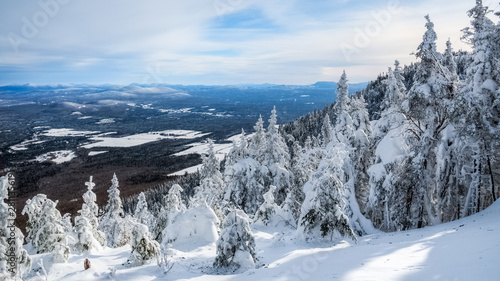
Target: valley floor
467,249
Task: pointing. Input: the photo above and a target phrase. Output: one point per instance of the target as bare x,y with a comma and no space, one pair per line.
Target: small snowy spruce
236,244
142,214
45,231
144,247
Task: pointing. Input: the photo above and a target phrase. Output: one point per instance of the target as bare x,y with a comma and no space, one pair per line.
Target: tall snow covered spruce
113,222
88,215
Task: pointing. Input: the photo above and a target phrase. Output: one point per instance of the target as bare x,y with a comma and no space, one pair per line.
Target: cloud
215,41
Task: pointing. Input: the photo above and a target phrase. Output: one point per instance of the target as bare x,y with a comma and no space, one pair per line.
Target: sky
216,42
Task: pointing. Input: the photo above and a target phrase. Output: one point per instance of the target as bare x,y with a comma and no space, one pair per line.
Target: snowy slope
467,249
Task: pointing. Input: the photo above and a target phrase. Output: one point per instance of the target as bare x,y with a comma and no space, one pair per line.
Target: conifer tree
44,230
172,206
144,248
277,159
90,211
344,131
211,184
142,214
257,142
113,223
324,209
482,110
236,244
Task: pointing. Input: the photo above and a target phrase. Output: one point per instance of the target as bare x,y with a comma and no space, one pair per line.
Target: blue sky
215,41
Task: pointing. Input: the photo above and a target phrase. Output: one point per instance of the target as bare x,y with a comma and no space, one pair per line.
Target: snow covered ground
57,157
221,150
467,249
139,139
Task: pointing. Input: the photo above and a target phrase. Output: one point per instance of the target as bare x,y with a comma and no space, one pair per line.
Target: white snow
57,157
221,150
139,139
106,121
92,153
467,249
68,133
391,146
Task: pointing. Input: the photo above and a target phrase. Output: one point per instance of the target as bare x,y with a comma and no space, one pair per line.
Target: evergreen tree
90,211
85,240
326,130
344,131
211,183
142,214
236,244
44,230
361,155
144,248
113,223
244,182
257,142
480,117
324,209
277,160
268,211
172,206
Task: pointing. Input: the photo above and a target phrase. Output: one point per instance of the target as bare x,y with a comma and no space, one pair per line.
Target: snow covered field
467,249
139,139
57,157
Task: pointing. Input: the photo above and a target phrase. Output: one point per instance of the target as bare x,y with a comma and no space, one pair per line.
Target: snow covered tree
257,142
211,184
90,211
45,232
398,74
112,223
267,212
361,154
142,214
449,60
245,184
144,248
85,240
480,117
324,209
394,95
428,110
277,159
67,223
12,252
238,151
326,130
236,244
344,130
172,206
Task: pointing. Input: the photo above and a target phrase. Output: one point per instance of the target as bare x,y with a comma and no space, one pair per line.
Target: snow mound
193,228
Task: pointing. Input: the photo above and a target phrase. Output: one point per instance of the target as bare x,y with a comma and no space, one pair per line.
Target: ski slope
467,249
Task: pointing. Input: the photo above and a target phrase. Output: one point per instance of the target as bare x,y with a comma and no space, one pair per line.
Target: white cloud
178,42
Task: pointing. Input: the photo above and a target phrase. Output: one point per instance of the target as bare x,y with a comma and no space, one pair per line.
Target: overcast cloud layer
216,41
